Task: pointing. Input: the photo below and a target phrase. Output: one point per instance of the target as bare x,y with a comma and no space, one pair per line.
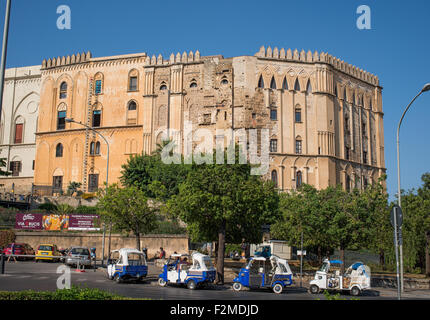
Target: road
43,276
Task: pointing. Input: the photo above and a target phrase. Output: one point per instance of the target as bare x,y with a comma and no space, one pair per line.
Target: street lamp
107,172
399,196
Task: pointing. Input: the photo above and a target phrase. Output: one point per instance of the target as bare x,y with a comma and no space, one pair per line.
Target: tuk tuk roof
177,255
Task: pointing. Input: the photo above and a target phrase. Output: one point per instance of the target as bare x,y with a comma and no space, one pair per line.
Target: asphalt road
43,276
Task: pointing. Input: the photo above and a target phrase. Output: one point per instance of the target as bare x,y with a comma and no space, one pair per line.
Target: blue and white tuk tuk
178,271
127,264
261,272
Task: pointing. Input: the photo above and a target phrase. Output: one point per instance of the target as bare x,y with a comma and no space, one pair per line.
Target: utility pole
4,52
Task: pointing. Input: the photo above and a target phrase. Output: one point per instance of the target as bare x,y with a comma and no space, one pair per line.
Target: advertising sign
28,221
54,222
84,222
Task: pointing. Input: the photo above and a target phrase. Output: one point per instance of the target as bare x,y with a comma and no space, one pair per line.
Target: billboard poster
55,222
28,221
84,222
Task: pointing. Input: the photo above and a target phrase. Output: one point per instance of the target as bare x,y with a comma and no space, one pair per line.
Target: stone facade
18,126
324,115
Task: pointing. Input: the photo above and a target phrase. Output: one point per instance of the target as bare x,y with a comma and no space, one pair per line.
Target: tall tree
129,209
224,202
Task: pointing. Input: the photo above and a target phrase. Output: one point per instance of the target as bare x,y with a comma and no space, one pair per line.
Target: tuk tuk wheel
277,288
117,278
237,286
162,282
355,291
314,289
191,285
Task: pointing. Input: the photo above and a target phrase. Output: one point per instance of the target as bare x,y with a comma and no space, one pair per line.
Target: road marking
42,278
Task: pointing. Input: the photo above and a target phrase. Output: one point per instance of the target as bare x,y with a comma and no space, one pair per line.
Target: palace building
324,115
18,127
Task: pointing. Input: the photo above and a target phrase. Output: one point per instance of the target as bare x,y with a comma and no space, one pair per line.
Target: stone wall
170,243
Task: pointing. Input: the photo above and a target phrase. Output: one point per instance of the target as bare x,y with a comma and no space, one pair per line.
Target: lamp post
4,51
107,172
399,196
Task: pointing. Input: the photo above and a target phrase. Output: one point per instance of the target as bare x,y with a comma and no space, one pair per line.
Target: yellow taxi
47,252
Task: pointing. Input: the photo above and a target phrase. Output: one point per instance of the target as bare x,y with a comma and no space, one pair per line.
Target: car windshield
45,248
136,259
81,251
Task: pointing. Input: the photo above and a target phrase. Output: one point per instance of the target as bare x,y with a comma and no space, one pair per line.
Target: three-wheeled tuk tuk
261,272
178,271
328,277
127,264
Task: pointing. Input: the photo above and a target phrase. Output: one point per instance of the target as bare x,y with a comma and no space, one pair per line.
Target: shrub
6,237
75,293
48,206
86,210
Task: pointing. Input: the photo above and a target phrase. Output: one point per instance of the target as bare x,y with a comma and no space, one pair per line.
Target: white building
19,118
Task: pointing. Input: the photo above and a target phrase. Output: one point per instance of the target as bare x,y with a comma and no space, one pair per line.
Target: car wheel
237,286
36,260
162,282
314,289
191,285
277,288
355,291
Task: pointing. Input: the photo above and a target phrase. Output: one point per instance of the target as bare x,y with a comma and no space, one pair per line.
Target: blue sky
397,48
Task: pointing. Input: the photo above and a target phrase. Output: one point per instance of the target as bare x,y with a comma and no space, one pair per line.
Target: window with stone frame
19,129
274,145
15,167
298,146
298,115
93,182
61,120
59,151
63,90
273,114
133,80
275,178
299,179
97,118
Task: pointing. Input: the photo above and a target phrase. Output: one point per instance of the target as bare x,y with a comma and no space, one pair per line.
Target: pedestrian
145,252
162,253
12,255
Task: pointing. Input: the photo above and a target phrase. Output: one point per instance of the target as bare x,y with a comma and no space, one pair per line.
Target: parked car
20,249
47,252
78,255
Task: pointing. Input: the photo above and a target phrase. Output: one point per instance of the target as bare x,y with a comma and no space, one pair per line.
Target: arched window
132,106
97,148
299,179
98,89
19,130
348,183
59,151
261,82
309,87
275,178
273,83
297,85
163,86
133,77
97,118
92,148
193,84
61,120
63,90
285,84
298,115
298,145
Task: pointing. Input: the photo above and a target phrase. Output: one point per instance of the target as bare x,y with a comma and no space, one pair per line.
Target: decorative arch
273,83
309,87
59,150
132,112
297,85
260,82
98,83
133,80
274,177
285,83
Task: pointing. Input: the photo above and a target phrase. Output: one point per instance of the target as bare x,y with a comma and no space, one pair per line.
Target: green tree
63,208
129,209
224,202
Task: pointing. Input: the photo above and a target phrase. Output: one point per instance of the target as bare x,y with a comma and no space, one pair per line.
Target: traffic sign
399,216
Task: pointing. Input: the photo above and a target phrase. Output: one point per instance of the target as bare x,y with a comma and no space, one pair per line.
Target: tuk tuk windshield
325,267
136,259
208,263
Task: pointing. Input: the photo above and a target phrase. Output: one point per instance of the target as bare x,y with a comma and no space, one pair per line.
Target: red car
20,249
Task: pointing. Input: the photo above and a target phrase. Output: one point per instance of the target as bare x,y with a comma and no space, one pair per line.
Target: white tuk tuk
328,277
126,264
177,270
